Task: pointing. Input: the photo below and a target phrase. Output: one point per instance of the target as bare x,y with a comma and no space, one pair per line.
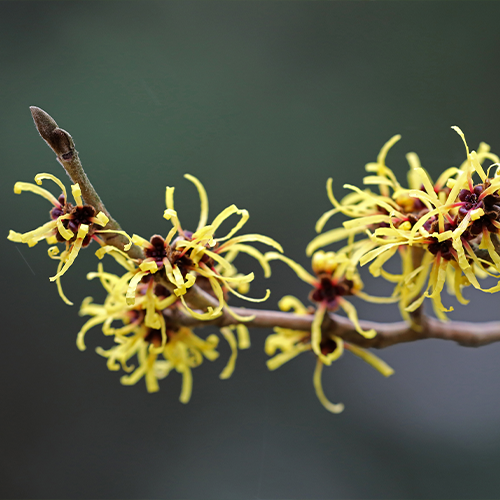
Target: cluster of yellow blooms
146,334
155,283
444,232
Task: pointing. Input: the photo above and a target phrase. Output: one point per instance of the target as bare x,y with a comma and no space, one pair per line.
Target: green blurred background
263,101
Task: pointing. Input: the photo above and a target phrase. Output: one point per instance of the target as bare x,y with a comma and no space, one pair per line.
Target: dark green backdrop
263,101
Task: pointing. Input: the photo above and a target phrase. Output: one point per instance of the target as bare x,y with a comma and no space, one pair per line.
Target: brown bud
59,140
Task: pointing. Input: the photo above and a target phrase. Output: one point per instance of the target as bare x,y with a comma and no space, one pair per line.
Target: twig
63,146
388,334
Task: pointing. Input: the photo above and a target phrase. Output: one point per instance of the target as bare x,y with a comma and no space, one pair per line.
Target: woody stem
388,334
63,146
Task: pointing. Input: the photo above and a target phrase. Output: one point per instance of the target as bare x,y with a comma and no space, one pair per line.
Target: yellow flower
293,342
336,277
201,257
144,334
152,300
73,225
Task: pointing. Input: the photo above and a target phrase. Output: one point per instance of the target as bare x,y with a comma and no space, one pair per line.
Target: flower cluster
445,232
178,262
153,290
145,334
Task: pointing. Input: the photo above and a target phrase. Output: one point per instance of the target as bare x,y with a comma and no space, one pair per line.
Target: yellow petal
203,200
249,299
381,201
170,235
350,310
239,317
457,286
103,219
386,147
170,213
166,302
324,219
211,313
80,343
59,286
477,166
290,302
77,194
182,288
371,359
367,221
32,237
19,187
429,188
75,249
67,234
491,249
140,241
328,359
218,258
375,300
251,237
283,357
134,377
40,177
243,336
299,270
476,214
331,236
331,407
253,252
316,329
231,340
149,266
152,318
52,252
130,295
377,264
233,209
14,236
187,385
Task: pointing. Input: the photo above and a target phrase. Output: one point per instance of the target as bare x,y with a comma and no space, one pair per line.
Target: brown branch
388,334
63,146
